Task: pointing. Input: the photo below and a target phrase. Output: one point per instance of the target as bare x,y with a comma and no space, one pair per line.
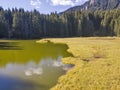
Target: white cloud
35,3
80,1
62,2
67,2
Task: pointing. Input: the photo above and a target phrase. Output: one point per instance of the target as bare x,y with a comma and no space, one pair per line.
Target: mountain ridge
94,5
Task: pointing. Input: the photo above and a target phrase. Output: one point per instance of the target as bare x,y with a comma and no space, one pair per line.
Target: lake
27,65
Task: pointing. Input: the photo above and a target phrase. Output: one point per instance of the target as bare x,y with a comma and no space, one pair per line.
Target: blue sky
44,6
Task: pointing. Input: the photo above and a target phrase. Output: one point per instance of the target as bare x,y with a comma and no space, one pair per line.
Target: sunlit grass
97,64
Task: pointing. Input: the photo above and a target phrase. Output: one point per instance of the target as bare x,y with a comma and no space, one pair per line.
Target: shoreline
90,57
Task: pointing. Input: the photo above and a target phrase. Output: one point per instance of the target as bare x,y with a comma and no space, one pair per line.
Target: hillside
94,5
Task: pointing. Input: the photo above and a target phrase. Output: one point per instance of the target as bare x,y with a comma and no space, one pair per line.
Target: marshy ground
97,64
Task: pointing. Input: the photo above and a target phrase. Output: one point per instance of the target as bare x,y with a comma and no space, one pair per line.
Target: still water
27,65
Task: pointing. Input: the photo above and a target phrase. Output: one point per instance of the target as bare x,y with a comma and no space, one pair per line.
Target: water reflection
12,83
9,46
34,67
44,64
32,51
44,73
31,71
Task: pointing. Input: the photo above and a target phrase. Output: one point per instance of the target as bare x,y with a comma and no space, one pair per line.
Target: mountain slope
94,5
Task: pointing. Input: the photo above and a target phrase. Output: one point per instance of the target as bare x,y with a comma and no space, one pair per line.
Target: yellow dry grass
97,64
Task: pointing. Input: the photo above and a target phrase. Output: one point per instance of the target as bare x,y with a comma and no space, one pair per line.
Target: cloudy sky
44,6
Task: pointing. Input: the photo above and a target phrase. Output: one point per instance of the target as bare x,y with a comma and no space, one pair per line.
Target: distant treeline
20,24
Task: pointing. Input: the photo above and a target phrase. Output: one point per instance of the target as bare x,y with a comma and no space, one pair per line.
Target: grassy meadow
97,64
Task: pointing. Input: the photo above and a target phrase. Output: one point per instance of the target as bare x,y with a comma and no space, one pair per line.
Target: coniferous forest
20,24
